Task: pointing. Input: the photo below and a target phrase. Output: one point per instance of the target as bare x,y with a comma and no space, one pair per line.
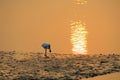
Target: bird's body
46,46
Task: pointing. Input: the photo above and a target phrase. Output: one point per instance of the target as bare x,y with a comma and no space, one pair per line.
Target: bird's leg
45,52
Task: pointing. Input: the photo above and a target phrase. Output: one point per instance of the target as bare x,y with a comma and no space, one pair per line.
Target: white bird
46,46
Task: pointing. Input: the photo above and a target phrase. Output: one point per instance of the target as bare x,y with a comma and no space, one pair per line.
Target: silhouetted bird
46,46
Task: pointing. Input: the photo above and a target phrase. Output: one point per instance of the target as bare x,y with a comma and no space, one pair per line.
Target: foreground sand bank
34,66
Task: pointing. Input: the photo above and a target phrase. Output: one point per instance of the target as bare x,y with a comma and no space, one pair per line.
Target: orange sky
25,24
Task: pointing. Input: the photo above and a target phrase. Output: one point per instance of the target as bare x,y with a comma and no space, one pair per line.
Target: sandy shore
112,76
34,66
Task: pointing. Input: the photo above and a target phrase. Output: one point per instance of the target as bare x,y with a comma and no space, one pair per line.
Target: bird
46,45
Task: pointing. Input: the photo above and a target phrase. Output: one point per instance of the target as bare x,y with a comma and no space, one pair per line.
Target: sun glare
81,2
78,37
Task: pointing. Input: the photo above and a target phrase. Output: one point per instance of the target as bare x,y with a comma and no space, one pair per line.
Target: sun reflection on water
79,37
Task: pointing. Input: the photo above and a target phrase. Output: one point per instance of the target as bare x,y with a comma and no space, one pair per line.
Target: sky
26,24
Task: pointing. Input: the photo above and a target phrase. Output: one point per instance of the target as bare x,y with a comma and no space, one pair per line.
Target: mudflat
34,66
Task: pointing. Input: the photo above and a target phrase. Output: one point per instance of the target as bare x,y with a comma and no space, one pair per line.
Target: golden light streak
78,37
81,1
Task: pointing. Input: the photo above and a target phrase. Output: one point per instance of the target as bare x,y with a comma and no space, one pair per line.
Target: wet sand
112,76
34,66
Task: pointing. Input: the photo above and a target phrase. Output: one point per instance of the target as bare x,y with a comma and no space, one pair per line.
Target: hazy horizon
26,24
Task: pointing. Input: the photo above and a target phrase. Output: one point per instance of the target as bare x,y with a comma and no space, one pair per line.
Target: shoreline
17,66
111,76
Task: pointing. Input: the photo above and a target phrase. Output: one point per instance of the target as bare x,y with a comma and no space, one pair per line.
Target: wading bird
46,46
